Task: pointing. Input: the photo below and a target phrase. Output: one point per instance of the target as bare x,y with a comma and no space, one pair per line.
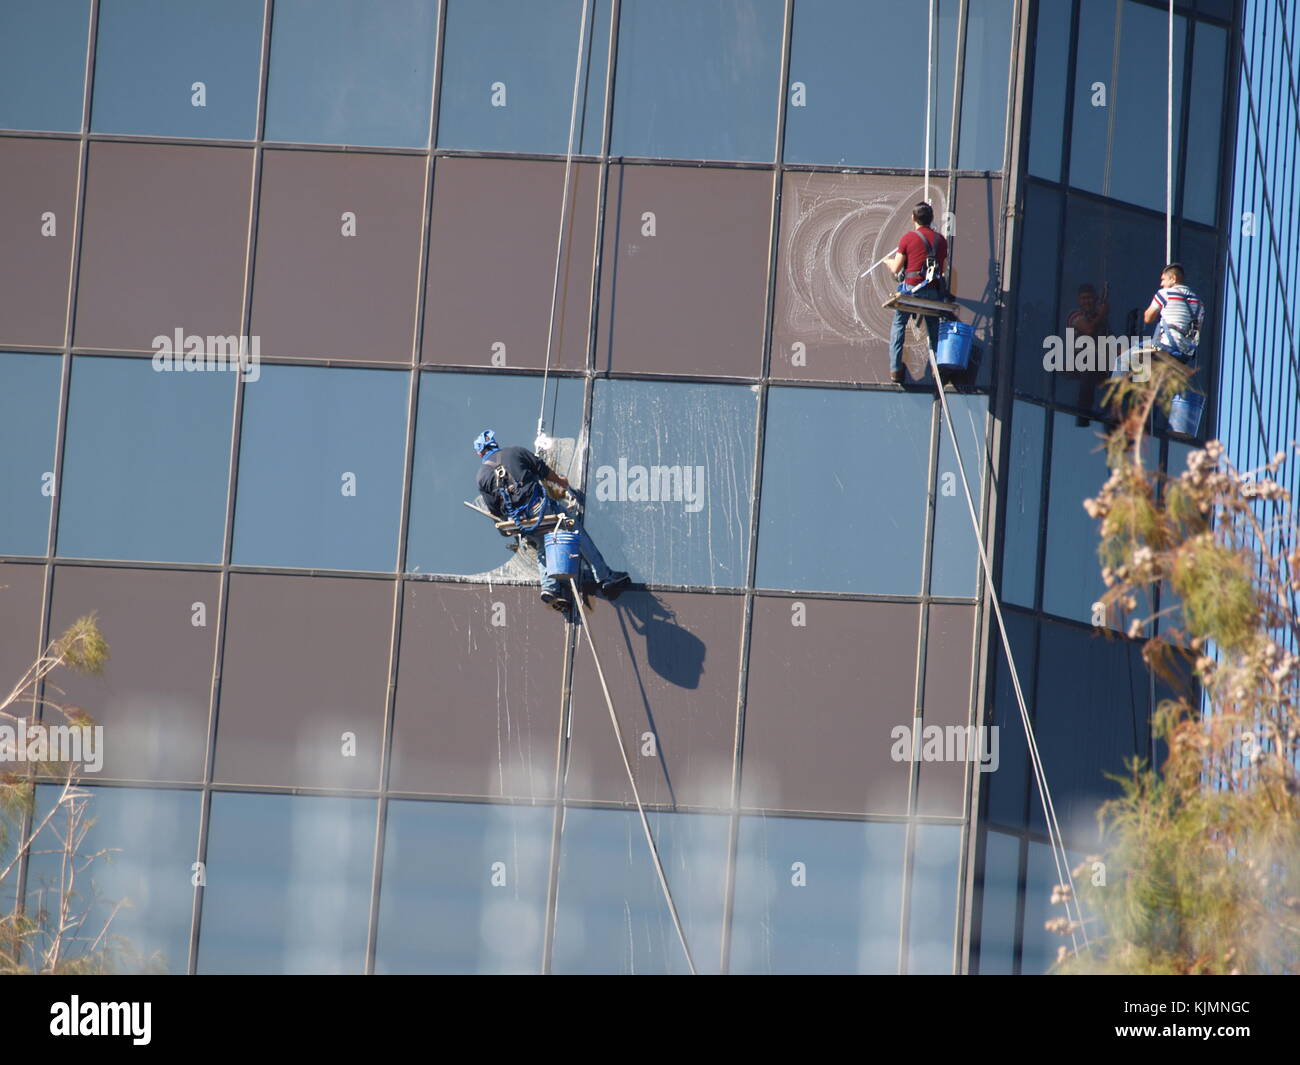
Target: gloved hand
577,501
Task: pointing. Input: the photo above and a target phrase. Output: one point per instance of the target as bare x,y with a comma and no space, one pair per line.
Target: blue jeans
928,292
587,546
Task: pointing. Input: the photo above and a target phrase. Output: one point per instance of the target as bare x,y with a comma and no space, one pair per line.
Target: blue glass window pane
43,63
149,55
1006,786
842,118
611,916
464,888
146,462
1051,69
817,896
1117,145
668,486
507,76
1205,124
1040,947
932,922
997,935
955,559
29,420
151,838
985,84
351,72
698,81
444,536
320,468
1036,316
1024,499
852,465
288,888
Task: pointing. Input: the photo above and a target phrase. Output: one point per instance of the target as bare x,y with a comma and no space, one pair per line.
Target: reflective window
669,661
43,63
611,916
1006,786
985,84
466,723
152,697
817,897
307,709
178,70
955,559
124,493
37,213
695,240
147,197
950,632
1036,317
834,43
1051,69
464,888
320,468
337,247
1023,519
1201,183
668,483
855,462
698,81
932,923
347,72
997,934
1038,953
150,840
22,593
848,668
288,888
829,324
976,231
444,536
1121,84
29,421
491,272
507,75
1090,718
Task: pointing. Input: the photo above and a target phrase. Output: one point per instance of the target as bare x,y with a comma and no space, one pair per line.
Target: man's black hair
1177,270
923,213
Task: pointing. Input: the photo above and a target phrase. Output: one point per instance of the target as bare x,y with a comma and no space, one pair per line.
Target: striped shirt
1181,314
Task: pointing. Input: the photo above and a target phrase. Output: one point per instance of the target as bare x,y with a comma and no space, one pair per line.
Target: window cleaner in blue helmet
512,483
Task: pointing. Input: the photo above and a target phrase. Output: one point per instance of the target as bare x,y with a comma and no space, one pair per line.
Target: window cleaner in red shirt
921,259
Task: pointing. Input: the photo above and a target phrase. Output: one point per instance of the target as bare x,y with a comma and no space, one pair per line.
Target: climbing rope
645,822
564,221
1169,145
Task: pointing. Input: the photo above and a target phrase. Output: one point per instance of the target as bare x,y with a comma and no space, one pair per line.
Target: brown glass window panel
824,697
946,704
320,292
492,245
478,693
829,324
38,218
166,233
975,263
153,695
306,661
671,665
690,298
21,598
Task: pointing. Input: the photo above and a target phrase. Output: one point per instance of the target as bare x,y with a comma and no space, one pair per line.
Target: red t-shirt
913,248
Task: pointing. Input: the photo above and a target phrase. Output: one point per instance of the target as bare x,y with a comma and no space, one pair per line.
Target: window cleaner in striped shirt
1178,313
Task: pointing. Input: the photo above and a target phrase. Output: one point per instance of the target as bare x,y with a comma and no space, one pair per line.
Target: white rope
564,218
929,90
645,823
1059,856
1169,146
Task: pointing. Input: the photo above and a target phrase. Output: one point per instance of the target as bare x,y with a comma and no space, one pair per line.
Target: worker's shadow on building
675,653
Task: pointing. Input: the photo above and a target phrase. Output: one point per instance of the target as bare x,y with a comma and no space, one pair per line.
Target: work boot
898,376
557,601
614,584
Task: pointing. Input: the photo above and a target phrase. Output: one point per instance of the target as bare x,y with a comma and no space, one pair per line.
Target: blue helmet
486,442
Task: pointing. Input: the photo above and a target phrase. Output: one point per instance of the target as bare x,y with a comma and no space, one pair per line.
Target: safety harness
930,273
506,488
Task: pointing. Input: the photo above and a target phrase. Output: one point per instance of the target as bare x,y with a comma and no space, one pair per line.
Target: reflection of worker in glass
1090,319
921,257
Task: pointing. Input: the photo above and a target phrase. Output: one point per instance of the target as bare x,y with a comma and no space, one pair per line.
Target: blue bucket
954,345
1185,413
563,559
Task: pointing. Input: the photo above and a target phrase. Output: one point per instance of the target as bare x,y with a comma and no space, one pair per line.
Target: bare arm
1152,312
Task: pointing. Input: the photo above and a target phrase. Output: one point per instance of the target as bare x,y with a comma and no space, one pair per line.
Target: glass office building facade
327,684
